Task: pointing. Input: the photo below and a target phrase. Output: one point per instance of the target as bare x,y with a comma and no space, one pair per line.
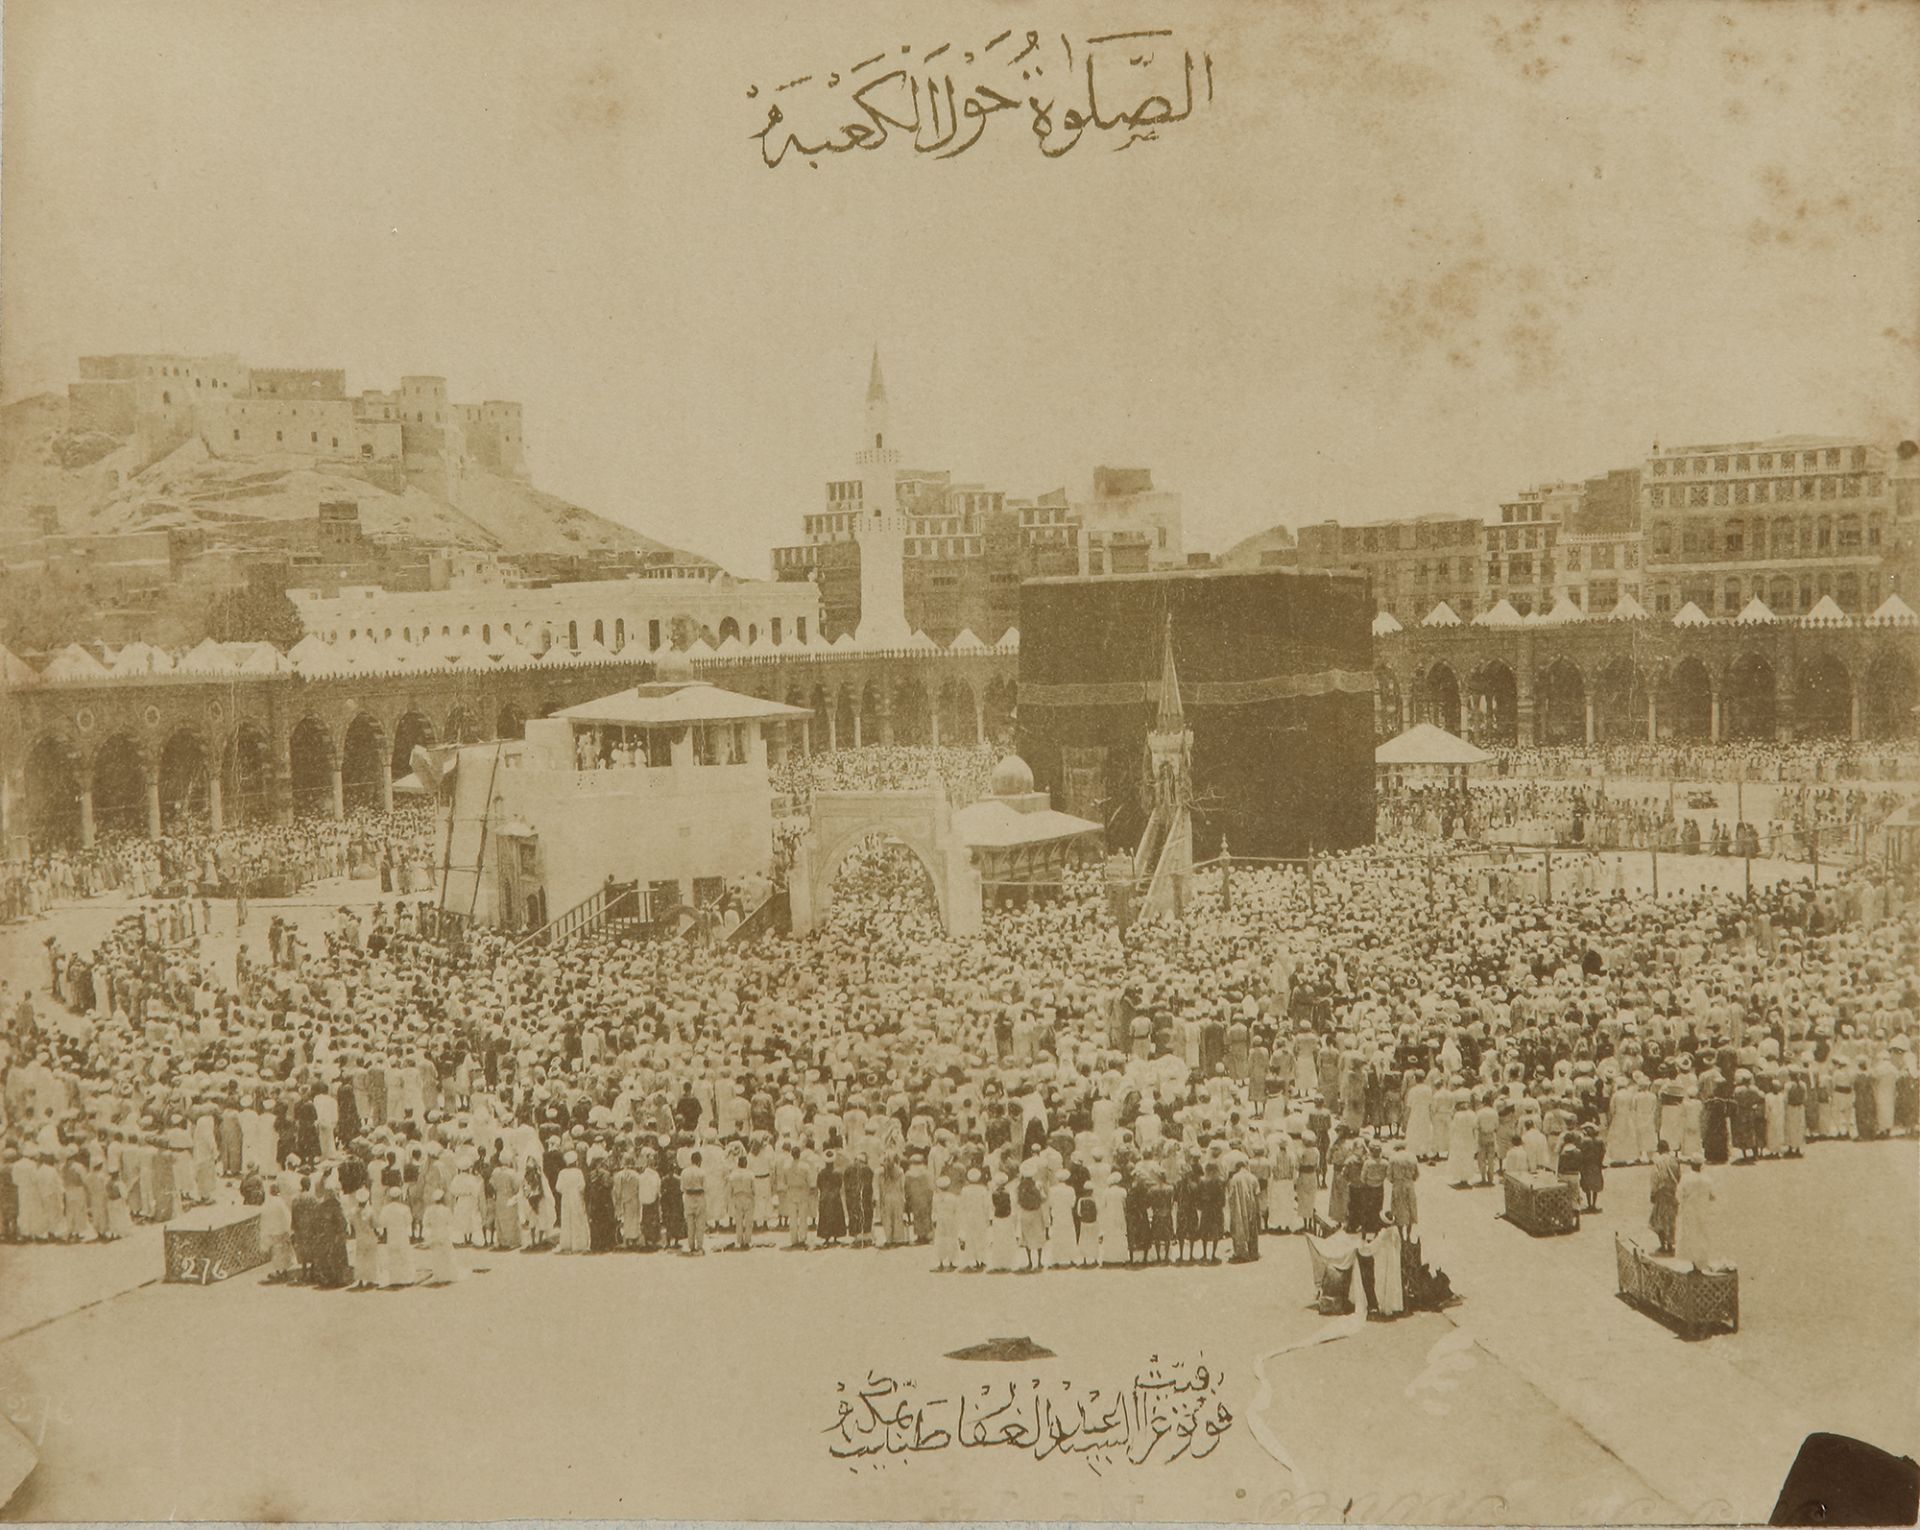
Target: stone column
1653,718
856,727
1853,714
216,807
979,718
1590,729
386,788
153,803
1713,722
933,719
833,725
339,785
86,814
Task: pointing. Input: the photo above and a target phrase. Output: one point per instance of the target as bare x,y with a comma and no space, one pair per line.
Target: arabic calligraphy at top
1165,1415
1122,87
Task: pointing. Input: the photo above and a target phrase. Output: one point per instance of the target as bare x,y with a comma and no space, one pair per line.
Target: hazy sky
1408,259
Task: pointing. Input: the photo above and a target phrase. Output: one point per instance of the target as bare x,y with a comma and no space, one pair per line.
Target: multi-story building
1788,520
1597,568
413,435
1522,547
965,547
1412,565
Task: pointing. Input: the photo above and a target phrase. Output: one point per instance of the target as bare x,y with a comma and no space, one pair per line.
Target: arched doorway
1822,698
1000,697
729,628
246,778
831,863
845,718
1437,699
1888,694
1493,704
873,718
1686,701
1388,709
363,762
463,726
881,875
817,724
512,722
1619,703
1747,712
413,728
1560,704
52,783
119,787
957,721
911,713
310,765
186,801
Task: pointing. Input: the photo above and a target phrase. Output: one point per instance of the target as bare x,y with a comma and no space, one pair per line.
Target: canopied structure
1020,846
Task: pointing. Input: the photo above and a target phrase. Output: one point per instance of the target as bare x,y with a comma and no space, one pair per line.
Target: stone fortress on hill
412,435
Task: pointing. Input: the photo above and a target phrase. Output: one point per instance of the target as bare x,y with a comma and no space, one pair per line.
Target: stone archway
119,786
246,775
1560,704
1748,699
1491,714
184,771
1823,698
52,786
1889,694
920,820
310,766
1437,698
363,763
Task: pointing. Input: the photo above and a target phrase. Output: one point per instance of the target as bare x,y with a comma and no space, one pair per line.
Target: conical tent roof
1627,609
1564,610
1755,612
965,642
1894,612
1690,615
16,671
139,658
1384,623
1009,641
845,641
1826,612
919,640
1442,615
1424,744
207,658
73,663
1499,614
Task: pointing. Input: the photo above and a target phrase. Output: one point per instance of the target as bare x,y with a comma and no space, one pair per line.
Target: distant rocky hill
98,485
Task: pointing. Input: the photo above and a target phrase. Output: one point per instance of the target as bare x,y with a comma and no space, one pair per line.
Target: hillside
99,487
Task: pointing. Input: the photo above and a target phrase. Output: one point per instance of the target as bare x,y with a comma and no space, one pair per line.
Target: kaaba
1276,682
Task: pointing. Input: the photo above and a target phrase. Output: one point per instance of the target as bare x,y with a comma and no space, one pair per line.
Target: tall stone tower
1164,857
882,532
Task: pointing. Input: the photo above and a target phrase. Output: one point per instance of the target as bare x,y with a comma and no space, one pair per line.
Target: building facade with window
1789,521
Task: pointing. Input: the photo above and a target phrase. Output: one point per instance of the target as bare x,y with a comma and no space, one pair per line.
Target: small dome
1012,777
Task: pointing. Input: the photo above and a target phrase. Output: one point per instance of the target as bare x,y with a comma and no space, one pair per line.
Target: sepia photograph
1100,761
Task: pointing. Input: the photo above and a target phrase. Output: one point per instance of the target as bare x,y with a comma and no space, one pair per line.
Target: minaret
1164,857
882,529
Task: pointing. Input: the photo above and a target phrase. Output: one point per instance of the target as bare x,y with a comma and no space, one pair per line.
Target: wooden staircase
611,909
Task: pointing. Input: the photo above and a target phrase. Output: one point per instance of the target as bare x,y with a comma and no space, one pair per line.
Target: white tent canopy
1499,614
1826,612
1627,609
1564,610
1424,744
1755,613
1894,612
1384,623
1690,615
1442,615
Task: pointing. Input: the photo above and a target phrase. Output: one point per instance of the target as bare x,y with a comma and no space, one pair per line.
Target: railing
773,916
613,906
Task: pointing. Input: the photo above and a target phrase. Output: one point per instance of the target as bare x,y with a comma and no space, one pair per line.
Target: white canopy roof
1499,614
1755,612
919,640
1424,744
1564,610
965,642
1009,641
73,663
1690,615
139,658
15,670
672,704
1894,612
1627,609
1826,613
1383,623
207,658
1442,615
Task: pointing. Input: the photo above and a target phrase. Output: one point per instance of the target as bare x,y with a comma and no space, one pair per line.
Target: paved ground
677,1387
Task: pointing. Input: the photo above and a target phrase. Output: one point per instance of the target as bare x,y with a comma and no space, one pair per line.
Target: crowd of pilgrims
394,847
1816,759
1045,1095
1610,816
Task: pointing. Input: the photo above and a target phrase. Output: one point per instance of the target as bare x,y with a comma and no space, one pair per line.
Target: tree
255,616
